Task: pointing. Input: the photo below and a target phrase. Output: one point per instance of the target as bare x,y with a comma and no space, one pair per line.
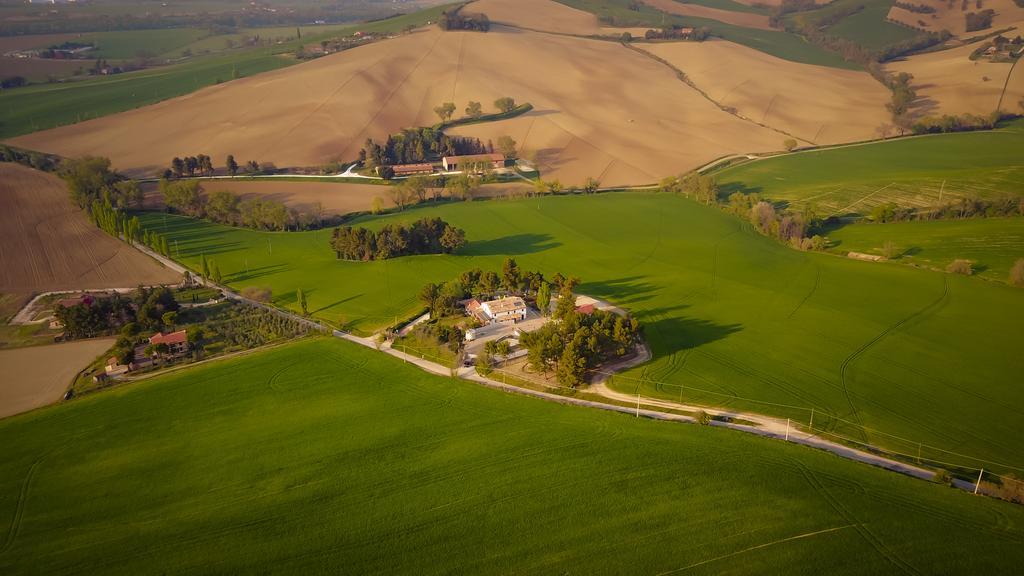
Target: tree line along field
915,172
730,315
41,107
322,454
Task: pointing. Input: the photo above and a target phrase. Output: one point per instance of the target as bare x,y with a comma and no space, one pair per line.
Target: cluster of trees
577,343
191,165
442,299
115,221
695,185
187,197
790,227
9,82
458,21
88,178
31,159
903,95
415,145
145,308
961,123
475,111
915,8
959,209
425,236
979,20
677,32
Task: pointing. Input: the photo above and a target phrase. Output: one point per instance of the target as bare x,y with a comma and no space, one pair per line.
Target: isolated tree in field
591,186
178,167
960,266
555,186
505,104
790,144
474,110
445,111
204,265
1017,273
215,273
301,296
507,146
232,165
544,298
377,205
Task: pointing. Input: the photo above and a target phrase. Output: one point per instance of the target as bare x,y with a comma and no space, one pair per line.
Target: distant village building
177,342
452,163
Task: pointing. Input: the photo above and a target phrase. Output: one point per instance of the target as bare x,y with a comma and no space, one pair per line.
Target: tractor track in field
19,508
861,529
817,280
844,368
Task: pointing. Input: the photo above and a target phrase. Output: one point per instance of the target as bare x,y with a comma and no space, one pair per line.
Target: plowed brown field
46,243
815,103
39,375
598,109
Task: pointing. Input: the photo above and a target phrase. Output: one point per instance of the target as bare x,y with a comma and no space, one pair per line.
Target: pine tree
302,302
216,273
164,248
205,267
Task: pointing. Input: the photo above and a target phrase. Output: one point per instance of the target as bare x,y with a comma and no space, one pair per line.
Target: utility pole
637,404
811,425
978,483
787,429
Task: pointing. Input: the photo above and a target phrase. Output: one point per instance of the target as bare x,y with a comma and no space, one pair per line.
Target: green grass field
867,27
50,105
730,5
322,457
777,43
911,172
127,44
993,244
729,314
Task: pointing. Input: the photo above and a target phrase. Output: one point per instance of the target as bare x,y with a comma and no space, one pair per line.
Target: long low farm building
473,161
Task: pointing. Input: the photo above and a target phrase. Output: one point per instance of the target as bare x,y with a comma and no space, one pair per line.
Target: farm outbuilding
452,163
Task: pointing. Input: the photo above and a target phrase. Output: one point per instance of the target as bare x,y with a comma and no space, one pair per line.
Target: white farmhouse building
505,310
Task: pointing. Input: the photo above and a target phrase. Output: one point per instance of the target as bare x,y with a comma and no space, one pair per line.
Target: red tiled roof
178,337
587,309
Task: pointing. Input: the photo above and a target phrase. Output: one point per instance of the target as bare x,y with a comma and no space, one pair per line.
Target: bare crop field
815,103
544,15
949,82
39,375
949,16
745,19
39,69
599,109
47,243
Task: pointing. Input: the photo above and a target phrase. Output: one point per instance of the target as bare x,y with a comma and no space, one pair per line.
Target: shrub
703,418
943,477
960,266
257,293
1017,273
